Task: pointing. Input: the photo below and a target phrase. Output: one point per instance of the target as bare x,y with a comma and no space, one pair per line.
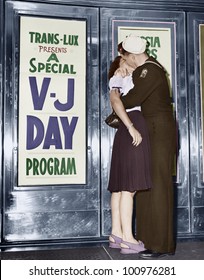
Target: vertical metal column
196,119
1,100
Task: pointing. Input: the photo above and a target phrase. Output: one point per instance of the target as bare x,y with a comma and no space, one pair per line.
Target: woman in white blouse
130,162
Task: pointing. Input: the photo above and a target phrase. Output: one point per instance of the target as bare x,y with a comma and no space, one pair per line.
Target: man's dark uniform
154,208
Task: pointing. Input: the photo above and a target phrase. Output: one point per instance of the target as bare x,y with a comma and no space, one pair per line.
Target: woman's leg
115,215
126,211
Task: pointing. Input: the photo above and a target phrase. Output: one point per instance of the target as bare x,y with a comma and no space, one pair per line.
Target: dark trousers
155,207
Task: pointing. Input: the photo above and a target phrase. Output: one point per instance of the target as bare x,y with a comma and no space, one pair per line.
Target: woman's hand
136,136
122,114
124,69
121,72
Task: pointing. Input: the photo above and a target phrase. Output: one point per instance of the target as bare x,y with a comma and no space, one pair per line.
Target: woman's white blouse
125,84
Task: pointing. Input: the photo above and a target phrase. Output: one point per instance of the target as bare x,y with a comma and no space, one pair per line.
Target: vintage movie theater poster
52,102
202,83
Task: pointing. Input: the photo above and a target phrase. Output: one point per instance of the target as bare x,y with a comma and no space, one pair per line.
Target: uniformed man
154,208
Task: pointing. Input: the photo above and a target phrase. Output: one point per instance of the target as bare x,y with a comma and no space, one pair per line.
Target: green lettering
157,42
44,38
53,56
37,37
63,165
28,165
71,167
41,66
33,67
43,166
31,36
35,166
50,167
72,69
56,166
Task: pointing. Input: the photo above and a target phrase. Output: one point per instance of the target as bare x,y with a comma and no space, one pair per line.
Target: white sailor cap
134,44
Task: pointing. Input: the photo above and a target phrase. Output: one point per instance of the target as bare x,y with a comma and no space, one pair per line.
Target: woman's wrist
129,126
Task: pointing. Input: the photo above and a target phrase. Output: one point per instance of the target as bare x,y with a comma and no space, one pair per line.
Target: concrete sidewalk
186,250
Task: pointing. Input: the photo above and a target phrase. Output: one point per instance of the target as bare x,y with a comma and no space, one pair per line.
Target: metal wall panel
108,51
181,5
75,212
50,212
1,99
196,95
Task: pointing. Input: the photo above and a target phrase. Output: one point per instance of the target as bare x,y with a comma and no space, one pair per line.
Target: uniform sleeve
145,82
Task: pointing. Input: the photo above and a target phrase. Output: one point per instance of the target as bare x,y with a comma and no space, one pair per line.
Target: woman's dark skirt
130,165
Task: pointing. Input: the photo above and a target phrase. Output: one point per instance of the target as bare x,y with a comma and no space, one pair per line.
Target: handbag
113,120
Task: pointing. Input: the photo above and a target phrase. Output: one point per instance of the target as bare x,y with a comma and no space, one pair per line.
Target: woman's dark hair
114,66
116,62
121,50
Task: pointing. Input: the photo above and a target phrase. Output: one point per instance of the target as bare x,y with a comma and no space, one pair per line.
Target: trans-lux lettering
53,38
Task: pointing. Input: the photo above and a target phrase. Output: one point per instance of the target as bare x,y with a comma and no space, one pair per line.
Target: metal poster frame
52,101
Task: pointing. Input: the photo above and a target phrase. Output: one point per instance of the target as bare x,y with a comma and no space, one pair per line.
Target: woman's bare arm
118,107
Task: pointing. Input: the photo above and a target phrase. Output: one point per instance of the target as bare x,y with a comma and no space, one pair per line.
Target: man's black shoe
149,254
